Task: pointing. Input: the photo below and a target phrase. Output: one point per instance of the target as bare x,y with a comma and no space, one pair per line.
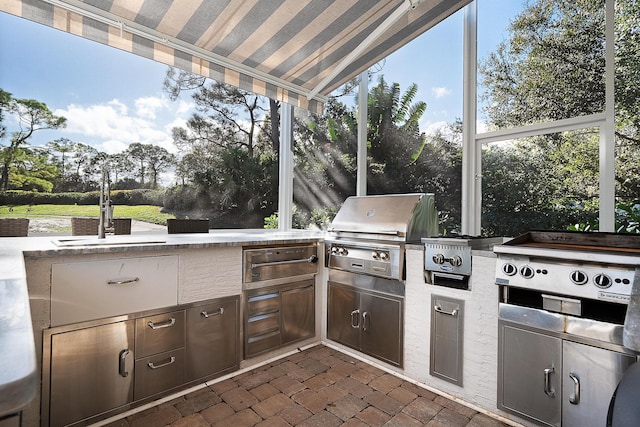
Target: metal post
607,134
285,173
471,150
361,158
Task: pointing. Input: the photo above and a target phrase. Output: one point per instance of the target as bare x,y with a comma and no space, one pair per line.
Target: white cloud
110,127
440,92
148,106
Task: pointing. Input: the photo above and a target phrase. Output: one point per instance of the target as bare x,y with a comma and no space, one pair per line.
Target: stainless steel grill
368,234
366,260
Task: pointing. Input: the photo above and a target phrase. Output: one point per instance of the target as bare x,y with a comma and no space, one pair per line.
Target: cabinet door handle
547,381
120,282
122,365
206,315
170,322
355,313
439,309
574,399
366,319
162,365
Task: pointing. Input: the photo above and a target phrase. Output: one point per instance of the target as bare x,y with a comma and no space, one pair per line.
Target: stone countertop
77,245
18,370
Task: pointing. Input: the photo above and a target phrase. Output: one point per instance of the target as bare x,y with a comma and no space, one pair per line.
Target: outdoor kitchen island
210,268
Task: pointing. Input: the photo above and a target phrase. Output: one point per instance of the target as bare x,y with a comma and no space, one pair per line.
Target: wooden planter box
14,227
81,226
187,226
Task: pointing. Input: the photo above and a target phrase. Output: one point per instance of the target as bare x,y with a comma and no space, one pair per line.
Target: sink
110,241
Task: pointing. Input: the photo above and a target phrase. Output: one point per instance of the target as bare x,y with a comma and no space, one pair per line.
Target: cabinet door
92,371
590,376
213,337
381,328
297,313
447,321
529,374
343,316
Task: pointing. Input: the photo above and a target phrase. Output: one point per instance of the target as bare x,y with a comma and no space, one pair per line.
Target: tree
394,137
158,161
140,154
32,116
232,128
552,66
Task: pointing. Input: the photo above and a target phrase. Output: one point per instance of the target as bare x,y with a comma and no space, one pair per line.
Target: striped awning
295,51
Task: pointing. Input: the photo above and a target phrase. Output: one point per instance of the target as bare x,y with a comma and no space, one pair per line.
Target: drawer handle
311,260
167,363
439,309
170,322
206,315
119,282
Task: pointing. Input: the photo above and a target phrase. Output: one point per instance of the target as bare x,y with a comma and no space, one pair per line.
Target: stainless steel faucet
106,208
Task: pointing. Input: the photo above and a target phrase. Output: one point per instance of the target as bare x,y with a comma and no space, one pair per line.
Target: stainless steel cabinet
278,315
554,381
370,322
213,332
96,369
91,372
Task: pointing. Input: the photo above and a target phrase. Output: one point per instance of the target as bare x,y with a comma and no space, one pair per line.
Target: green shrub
118,197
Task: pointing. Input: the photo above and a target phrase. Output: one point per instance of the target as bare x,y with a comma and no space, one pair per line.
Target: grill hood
404,217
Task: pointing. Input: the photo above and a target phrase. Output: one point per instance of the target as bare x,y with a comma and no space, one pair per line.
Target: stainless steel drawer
160,333
263,323
158,373
90,290
279,262
263,303
258,344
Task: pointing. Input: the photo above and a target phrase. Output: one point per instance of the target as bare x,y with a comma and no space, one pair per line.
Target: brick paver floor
319,387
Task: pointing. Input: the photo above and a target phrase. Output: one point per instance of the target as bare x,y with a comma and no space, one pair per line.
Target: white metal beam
285,169
471,148
607,134
361,157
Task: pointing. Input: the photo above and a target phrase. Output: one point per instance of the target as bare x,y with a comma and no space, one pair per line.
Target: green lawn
144,213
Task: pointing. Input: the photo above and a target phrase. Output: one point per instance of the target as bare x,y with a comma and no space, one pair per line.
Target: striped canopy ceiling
295,51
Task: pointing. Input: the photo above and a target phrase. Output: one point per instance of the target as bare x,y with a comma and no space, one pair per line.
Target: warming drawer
279,262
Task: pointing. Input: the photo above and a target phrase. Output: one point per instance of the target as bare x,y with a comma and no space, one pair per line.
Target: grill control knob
438,258
509,269
527,272
578,277
602,280
384,256
334,249
375,255
342,250
455,261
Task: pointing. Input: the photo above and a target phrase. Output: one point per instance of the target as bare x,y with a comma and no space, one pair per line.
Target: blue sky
113,98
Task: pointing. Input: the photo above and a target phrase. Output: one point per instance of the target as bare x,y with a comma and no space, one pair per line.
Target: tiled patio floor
317,387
